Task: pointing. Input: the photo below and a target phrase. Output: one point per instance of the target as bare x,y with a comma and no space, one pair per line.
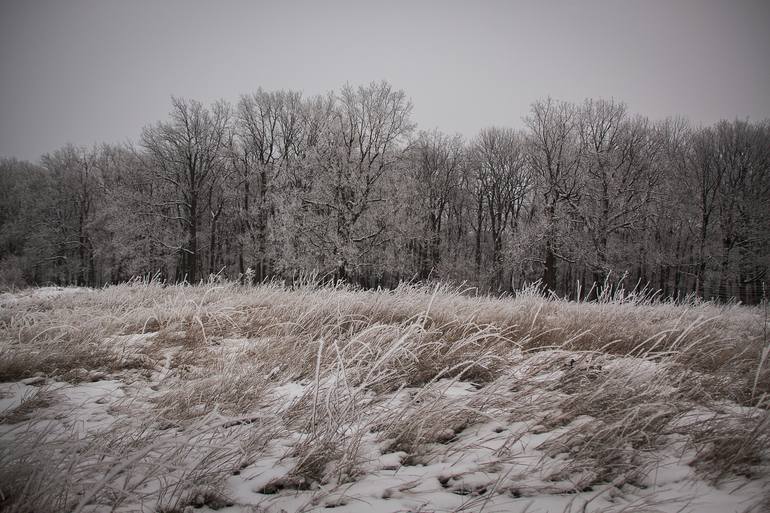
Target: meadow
427,398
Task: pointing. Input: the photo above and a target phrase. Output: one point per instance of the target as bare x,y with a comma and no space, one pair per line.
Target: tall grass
612,379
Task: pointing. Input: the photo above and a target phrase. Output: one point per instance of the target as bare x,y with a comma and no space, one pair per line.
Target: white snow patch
13,394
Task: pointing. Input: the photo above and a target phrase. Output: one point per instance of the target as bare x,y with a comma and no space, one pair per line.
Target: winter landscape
140,397
384,257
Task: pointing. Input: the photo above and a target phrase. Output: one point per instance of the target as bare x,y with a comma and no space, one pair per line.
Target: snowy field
175,399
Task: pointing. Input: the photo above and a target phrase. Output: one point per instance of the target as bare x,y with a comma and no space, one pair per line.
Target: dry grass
426,419
29,403
706,337
611,379
731,443
47,471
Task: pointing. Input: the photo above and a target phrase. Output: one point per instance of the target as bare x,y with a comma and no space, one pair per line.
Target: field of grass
171,399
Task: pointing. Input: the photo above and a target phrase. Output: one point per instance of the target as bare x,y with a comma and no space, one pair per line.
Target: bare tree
350,160
555,156
269,132
78,189
670,217
504,177
336,184
434,170
741,159
620,175
704,176
29,235
188,155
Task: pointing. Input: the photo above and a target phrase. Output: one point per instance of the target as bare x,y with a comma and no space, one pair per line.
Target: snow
12,395
491,456
462,475
498,462
40,293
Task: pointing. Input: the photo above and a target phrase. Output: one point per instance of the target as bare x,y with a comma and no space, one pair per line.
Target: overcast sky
88,71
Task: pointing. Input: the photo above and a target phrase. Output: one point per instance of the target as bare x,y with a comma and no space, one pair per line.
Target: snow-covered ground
240,422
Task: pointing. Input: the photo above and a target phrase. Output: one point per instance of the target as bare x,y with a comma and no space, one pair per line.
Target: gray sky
88,71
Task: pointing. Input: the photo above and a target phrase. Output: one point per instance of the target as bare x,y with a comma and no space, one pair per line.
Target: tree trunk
549,269
192,256
479,221
213,245
724,269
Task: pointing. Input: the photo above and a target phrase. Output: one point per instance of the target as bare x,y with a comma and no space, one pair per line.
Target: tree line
346,186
